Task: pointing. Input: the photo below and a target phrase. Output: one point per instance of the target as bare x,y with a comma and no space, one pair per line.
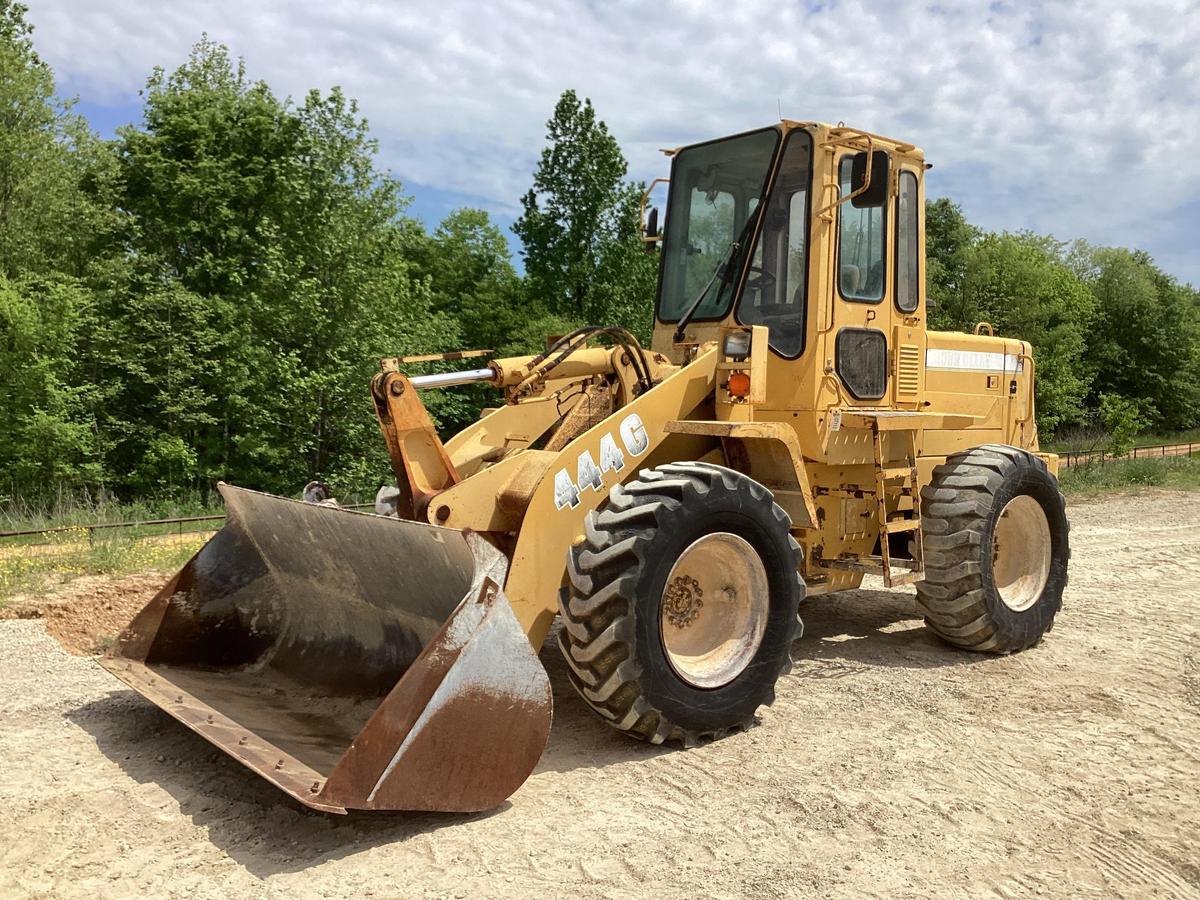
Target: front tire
996,549
683,604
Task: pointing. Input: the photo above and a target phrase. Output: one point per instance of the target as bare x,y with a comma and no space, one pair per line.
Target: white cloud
1074,118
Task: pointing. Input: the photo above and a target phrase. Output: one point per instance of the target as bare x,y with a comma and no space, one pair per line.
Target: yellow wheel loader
793,426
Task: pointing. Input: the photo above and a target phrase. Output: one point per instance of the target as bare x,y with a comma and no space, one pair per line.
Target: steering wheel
764,279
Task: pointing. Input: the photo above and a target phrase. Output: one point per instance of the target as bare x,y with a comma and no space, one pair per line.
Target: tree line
206,295
1116,339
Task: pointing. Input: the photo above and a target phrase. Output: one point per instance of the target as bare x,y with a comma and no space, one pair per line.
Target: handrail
1023,356
843,128
870,151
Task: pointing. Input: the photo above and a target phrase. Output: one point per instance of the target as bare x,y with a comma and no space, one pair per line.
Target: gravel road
890,765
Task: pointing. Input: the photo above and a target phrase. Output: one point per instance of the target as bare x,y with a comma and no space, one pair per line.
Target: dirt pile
86,615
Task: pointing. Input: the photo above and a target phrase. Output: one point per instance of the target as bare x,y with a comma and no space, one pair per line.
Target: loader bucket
353,660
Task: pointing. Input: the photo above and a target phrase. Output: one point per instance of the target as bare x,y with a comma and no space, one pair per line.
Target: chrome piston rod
450,379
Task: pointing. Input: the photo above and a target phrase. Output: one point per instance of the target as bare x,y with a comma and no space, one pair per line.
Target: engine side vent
908,371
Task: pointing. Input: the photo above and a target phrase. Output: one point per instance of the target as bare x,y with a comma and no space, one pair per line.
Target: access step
871,565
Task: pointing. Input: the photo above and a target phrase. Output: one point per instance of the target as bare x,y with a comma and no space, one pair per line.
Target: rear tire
682,604
996,549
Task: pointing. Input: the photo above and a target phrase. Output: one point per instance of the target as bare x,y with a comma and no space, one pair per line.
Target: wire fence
1101,457
40,541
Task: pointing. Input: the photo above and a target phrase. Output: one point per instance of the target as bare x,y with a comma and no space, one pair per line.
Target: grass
67,509
26,569
61,556
31,563
1180,472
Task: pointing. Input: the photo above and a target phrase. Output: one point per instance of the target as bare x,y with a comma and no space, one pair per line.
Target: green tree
48,438
270,276
1021,285
575,211
627,275
44,214
52,234
472,278
949,238
1122,420
160,348
1145,343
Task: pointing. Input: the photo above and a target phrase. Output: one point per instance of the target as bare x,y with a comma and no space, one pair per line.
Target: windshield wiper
726,269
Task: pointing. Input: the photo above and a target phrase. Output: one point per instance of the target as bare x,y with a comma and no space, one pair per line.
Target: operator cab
736,246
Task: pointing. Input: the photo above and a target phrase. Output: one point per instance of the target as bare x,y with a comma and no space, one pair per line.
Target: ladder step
897,472
871,565
844,492
898,525
853,565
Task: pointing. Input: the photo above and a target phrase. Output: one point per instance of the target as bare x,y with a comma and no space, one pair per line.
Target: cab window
908,285
861,246
776,287
715,188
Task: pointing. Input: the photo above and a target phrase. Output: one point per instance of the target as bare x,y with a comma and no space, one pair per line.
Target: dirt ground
889,766
87,613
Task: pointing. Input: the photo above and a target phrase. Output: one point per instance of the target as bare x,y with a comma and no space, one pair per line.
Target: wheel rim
713,610
1021,553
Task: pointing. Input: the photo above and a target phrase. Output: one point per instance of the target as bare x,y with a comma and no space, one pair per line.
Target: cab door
908,294
862,312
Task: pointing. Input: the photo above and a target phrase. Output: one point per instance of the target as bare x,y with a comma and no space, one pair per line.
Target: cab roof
839,132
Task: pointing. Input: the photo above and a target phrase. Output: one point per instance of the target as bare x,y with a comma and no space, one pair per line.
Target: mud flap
279,637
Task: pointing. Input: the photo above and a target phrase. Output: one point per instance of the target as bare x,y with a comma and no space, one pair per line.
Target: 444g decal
589,473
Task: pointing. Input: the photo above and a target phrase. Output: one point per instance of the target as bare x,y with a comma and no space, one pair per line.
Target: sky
1079,120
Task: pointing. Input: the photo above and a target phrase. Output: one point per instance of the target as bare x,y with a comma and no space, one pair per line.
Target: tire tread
955,507
597,606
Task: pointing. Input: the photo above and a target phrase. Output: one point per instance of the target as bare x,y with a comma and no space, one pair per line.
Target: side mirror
876,192
652,234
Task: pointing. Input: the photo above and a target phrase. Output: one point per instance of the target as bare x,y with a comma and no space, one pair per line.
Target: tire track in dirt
1131,870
